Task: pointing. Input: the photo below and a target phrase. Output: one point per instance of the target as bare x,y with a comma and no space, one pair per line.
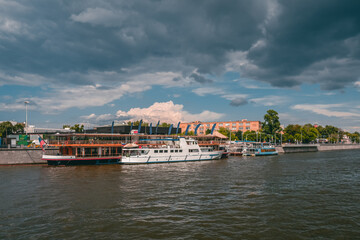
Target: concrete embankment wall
23,156
316,147
300,148
280,149
328,147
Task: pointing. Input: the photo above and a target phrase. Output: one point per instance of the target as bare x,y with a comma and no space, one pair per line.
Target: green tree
6,128
226,132
297,133
143,124
19,128
77,127
239,135
164,125
191,133
208,131
271,123
355,137
251,136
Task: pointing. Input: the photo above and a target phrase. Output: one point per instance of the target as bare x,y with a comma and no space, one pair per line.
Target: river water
290,196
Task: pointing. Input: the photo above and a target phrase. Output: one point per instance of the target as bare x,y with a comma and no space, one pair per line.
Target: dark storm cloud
59,37
238,102
317,37
64,41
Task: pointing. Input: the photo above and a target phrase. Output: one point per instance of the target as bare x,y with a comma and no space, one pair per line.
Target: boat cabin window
180,150
94,151
171,151
193,150
78,151
67,151
87,151
165,151
155,151
160,151
176,150
105,151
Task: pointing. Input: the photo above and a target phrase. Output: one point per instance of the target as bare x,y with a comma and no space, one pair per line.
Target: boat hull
169,159
53,161
266,153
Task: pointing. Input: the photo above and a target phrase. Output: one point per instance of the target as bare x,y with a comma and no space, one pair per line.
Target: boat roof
142,136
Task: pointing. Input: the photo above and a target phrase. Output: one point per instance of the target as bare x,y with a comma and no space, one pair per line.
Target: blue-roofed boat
259,149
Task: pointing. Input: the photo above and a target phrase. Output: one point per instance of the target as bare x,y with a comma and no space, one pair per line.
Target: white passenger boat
175,150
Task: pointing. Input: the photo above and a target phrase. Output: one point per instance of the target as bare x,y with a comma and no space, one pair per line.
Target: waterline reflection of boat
175,150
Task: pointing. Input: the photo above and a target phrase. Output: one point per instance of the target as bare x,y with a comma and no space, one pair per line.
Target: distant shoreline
31,156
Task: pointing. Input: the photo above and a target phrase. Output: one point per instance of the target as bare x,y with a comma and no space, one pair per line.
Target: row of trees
145,124
7,128
301,133
293,133
77,127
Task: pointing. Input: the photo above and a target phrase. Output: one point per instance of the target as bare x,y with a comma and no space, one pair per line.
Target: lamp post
26,119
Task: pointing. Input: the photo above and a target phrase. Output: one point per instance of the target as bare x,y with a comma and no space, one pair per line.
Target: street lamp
26,119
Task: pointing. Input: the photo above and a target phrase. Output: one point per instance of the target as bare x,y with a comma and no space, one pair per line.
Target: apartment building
234,126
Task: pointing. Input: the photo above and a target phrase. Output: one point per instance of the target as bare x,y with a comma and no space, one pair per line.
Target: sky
94,62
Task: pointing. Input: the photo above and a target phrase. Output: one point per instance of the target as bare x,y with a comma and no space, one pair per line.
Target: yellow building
234,126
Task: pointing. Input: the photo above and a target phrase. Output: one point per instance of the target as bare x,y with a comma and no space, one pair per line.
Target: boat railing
211,142
81,142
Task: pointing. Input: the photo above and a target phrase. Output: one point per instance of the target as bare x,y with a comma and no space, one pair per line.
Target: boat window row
90,151
129,153
166,151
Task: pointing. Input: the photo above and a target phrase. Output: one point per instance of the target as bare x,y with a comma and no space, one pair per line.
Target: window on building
227,124
220,124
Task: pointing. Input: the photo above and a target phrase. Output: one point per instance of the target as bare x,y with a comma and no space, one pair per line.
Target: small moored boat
257,149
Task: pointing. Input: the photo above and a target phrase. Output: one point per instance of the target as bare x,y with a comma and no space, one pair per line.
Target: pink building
234,126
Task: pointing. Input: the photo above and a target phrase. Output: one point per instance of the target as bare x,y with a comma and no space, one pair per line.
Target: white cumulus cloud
164,111
329,110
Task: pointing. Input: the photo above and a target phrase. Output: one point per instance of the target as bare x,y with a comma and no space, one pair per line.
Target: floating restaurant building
234,126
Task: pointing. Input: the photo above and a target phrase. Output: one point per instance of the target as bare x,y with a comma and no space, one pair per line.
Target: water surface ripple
293,196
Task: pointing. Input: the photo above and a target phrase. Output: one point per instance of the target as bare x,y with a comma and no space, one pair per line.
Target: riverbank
14,156
18,156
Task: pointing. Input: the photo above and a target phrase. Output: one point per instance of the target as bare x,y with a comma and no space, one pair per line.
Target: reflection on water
294,196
